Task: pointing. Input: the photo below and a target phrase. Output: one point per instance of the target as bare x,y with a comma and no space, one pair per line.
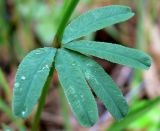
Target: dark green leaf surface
103,85
95,20
112,52
30,79
76,89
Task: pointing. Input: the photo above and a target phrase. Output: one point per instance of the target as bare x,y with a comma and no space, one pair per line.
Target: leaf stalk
65,18
42,101
56,44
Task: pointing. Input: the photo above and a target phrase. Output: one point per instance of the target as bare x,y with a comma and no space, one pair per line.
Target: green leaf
76,89
95,20
103,85
134,115
30,79
112,52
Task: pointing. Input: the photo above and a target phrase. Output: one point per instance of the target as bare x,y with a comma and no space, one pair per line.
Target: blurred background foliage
29,24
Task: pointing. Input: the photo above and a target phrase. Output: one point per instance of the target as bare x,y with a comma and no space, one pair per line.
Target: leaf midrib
108,51
83,68
108,18
82,75
113,101
35,72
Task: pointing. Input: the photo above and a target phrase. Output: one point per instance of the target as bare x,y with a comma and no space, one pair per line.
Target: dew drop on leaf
23,113
38,52
88,75
23,77
73,64
16,85
45,67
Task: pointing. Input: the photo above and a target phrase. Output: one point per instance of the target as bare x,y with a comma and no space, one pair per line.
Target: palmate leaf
76,89
75,70
30,79
112,52
95,20
103,85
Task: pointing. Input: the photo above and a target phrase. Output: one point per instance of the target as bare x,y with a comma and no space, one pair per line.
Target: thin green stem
56,43
65,3
42,101
65,18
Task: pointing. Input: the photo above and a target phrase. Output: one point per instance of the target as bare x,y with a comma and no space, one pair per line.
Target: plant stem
65,18
56,44
42,101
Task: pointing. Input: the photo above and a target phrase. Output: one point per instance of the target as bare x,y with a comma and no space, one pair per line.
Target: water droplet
73,64
89,64
23,77
45,67
88,75
16,85
23,113
37,52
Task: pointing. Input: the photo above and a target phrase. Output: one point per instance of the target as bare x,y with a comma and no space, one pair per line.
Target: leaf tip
88,123
132,14
148,62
